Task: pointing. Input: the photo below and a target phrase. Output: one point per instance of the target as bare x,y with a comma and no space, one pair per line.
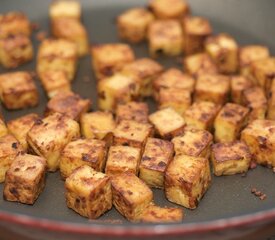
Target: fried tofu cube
15,50
132,133
230,158
57,55
238,85
25,179
201,115
259,136
193,142
187,179
107,59
195,31
17,90
136,111
165,38
230,121
167,122
54,82
271,102
156,214
155,159
115,90
48,137
19,127
132,24
122,159
88,192
67,9
3,128
224,50
212,87
9,148
145,71
131,196
97,124
68,103
90,152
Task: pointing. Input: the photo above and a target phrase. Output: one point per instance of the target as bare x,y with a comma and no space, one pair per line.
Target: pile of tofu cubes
219,109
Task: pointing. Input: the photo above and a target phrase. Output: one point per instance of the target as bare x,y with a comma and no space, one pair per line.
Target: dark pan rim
135,230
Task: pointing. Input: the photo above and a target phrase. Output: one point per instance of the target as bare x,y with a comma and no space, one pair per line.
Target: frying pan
228,209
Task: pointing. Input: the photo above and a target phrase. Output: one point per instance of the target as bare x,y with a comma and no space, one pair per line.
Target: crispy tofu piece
271,102
115,90
195,31
25,179
254,98
187,179
155,159
17,90
132,133
88,192
230,121
68,103
193,142
167,122
9,148
64,8
19,128
230,158
165,38
201,115
238,85
259,136
97,124
108,59
136,111
3,128
54,82
212,87
57,55
48,137
131,196
122,159
156,214
132,24
90,152
145,70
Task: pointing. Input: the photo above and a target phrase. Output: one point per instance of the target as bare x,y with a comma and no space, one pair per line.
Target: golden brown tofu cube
57,55
145,71
91,152
48,137
259,136
201,115
17,90
238,85
132,133
115,90
3,128
131,196
132,24
156,214
193,142
230,158
136,111
9,148
68,103
88,192
54,82
165,38
25,179
108,59
212,87
195,31
167,122
97,124
122,159
68,9
187,179
19,127
155,159
271,102
230,121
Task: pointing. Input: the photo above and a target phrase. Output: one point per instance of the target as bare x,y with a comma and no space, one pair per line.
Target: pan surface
249,21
